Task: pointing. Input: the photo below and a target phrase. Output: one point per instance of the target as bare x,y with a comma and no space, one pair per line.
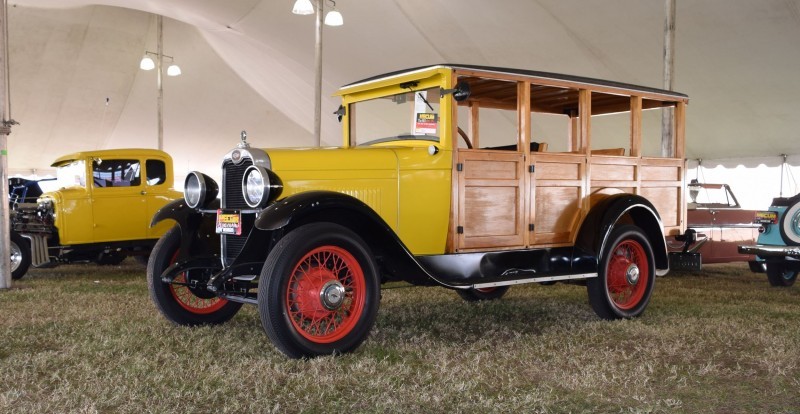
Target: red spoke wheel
626,275
185,302
319,292
490,293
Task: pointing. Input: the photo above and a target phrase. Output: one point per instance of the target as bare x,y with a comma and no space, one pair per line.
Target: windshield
408,115
71,174
711,196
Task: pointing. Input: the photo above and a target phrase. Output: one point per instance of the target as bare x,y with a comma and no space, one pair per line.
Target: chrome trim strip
532,280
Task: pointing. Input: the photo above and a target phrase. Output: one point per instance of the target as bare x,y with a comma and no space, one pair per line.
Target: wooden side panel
557,192
662,182
490,200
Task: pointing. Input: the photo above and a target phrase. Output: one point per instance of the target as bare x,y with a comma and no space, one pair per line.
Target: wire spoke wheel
192,301
185,301
626,275
325,294
319,291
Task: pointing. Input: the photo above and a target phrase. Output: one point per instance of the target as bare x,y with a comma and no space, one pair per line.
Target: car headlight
199,189
260,186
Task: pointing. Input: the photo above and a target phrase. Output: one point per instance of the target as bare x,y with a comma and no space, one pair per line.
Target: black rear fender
623,209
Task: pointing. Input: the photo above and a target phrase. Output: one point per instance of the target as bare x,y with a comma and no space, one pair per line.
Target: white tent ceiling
248,64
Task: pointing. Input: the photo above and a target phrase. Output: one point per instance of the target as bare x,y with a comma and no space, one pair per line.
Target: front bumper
764,250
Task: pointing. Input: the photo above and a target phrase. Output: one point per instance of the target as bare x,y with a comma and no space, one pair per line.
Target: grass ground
87,339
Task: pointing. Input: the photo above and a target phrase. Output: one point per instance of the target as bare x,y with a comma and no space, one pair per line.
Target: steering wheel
465,137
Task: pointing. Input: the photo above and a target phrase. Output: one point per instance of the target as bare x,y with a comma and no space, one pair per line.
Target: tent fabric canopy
248,65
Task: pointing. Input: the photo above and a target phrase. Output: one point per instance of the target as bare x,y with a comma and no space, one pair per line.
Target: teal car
778,244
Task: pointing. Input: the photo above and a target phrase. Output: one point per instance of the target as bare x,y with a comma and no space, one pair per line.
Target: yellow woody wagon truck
472,178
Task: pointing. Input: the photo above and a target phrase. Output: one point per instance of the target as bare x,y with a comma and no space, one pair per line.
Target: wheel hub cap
332,295
16,257
632,274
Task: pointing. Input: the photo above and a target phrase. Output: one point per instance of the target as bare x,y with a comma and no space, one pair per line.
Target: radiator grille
232,185
233,199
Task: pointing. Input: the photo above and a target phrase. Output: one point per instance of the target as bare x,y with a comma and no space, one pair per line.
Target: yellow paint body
400,180
92,214
406,186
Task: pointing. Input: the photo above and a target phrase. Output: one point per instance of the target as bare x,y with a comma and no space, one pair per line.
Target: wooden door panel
490,200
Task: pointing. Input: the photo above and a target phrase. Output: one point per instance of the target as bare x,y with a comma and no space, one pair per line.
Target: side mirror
460,93
340,113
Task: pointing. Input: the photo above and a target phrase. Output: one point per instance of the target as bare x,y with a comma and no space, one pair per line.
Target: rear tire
626,275
20,256
319,291
179,303
474,295
779,276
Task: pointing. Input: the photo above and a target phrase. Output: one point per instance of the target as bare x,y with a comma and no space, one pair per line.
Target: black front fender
296,210
637,210
198,234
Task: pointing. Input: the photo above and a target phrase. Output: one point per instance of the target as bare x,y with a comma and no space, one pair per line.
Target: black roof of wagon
533,73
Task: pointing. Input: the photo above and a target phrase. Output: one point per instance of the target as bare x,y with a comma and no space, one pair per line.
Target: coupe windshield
71,174
408,115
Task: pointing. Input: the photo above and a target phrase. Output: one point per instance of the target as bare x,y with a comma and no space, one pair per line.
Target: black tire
757,267
315,258
474,295
789,224
626,275
779,276
180,304
20,256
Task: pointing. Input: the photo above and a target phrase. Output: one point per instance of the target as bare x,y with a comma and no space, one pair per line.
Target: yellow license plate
766,217
229,223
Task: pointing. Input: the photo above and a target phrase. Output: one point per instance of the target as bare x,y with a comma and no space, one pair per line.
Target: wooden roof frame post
636,126
585,115
524,144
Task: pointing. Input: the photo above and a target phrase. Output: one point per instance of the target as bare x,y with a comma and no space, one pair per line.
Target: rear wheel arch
621,209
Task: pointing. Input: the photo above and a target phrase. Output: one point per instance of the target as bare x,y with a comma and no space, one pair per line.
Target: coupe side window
156,172
116,173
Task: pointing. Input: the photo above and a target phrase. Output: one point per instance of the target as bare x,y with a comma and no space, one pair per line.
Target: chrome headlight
260,186
199,189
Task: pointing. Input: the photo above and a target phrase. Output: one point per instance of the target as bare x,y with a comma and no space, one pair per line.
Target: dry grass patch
87,339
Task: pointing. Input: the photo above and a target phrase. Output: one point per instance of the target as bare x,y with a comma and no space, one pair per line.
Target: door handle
143,192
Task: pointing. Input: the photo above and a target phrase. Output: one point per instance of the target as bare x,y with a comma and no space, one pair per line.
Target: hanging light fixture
147,63
303,7
173,70
334,18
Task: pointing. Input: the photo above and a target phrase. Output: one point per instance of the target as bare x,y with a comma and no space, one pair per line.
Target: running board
532,280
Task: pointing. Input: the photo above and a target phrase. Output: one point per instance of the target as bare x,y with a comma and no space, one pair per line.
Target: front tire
319,291
779,276
626,275
474,295
180,303
20,256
